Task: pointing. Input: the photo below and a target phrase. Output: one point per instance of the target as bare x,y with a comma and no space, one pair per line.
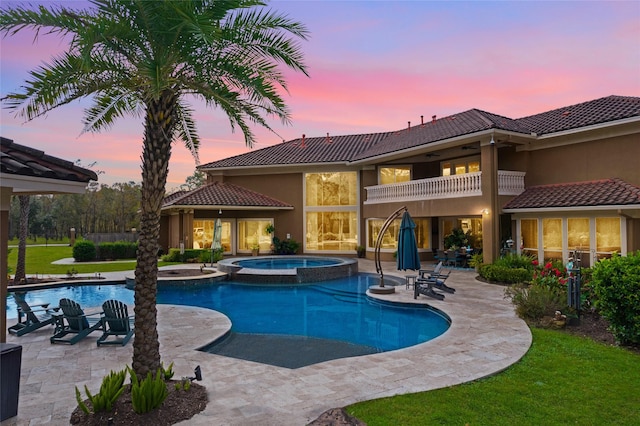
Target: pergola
28,171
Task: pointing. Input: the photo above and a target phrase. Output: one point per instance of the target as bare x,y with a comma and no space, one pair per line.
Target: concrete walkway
485,338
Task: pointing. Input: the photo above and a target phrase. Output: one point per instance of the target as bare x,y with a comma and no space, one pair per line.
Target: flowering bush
552,276
545,294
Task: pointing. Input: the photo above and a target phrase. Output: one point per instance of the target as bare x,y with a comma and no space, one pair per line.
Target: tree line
102,208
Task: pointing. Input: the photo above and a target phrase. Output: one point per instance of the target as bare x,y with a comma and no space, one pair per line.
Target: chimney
433,118
302,145
422,120
408,125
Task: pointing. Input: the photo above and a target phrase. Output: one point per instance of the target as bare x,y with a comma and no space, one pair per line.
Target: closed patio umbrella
408,257
217,238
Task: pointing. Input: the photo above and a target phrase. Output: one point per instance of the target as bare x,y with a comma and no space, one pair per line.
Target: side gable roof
22,160
223,194
606,192
603,110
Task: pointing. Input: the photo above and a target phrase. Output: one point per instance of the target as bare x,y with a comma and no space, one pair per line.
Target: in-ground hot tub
287,269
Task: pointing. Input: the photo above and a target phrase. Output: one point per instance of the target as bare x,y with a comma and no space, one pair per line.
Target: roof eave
592,127
617,207
223,207
25,185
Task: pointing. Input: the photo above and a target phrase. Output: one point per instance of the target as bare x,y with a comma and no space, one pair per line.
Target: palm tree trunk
21,272
158,131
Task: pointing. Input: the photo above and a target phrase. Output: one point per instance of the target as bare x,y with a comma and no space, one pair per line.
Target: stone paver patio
485,338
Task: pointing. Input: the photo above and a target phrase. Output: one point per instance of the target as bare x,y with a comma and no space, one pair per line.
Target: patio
485,338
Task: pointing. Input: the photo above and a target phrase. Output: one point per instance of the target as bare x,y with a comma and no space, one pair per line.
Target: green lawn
562,380
39,258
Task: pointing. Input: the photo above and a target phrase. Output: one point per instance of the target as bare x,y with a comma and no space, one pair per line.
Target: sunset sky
374,66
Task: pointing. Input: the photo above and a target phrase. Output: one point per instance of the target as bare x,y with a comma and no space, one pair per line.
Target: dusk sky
374,66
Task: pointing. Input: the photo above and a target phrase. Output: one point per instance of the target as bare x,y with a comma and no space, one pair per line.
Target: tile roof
464,123
307,150
606,192
21,160
223,194
359,147
603,110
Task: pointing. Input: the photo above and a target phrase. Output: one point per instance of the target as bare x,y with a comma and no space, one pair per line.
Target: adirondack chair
73,321
436,278
116,322
34,317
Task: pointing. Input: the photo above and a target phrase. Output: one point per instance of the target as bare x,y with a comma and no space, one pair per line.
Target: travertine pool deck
485,338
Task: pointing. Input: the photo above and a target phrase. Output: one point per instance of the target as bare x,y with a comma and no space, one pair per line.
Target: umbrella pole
383,229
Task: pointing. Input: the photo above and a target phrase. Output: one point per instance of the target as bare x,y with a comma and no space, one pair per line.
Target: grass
563,379
39,240
39,258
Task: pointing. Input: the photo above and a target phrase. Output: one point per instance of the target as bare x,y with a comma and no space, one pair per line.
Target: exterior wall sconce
220,211
485,211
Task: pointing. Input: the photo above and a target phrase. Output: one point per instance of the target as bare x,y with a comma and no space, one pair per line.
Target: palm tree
21,273
145,58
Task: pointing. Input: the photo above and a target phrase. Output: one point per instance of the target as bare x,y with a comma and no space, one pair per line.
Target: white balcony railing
456,186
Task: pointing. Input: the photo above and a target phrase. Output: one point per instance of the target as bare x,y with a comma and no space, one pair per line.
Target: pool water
336,310
285,263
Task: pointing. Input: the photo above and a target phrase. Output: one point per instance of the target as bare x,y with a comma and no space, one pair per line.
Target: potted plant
361,250
255,249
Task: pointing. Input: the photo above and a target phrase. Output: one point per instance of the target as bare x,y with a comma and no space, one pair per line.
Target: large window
395,174
578,234
390,237
202,234
470,225
331,189
529,236
552,238
252,234
331,211
333,231
608,237
591,238
460,166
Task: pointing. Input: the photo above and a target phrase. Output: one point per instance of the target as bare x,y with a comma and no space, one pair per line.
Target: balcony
456,186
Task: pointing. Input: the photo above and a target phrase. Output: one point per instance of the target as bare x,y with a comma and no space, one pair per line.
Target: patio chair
436,278
73,321
116,322
34,317
425,287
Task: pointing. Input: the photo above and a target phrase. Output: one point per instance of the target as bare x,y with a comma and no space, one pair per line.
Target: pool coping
485,337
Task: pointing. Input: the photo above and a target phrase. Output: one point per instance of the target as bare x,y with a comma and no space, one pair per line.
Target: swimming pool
337,310
282,262
294,269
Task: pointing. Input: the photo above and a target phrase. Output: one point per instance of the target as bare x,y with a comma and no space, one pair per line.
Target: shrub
189,255
149,393
84,251
117,250
504,274
616,286
287,246
513,260
111,388
533,301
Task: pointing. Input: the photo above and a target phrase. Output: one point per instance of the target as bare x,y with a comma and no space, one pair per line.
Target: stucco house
549,184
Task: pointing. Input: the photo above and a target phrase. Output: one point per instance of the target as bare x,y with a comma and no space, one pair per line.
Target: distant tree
145,58
196,180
